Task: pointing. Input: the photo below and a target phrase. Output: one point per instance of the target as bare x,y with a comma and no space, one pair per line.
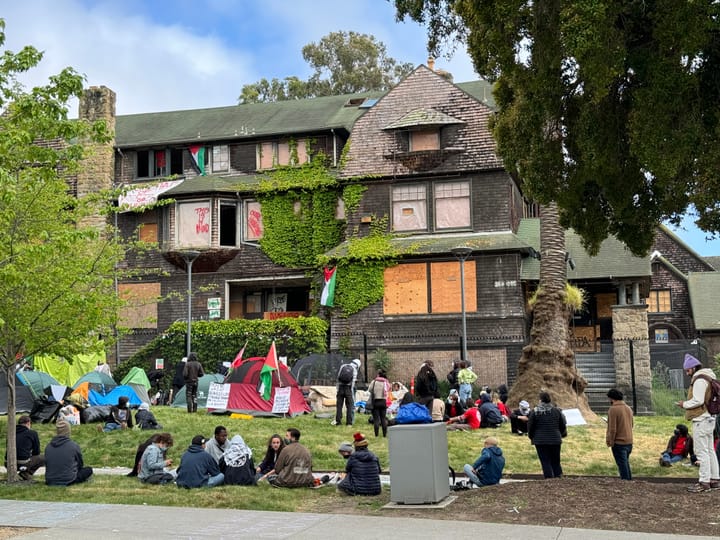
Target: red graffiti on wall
255,223
201,227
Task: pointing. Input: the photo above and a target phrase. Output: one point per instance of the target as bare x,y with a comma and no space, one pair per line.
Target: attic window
354,102
428,139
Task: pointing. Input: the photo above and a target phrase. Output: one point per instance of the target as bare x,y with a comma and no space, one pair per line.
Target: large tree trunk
547,362
12,475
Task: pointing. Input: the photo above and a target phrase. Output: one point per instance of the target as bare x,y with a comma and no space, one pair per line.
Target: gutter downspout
334,147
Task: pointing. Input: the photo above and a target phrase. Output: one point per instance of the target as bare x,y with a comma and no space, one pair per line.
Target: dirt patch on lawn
9,532
583,503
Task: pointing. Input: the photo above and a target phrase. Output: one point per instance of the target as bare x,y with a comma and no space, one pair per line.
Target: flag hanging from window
327,298
271,364
198,154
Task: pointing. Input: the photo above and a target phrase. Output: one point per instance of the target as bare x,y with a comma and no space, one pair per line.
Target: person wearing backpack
696,409
346,377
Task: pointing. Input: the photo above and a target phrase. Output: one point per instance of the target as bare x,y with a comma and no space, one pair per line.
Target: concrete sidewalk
123,522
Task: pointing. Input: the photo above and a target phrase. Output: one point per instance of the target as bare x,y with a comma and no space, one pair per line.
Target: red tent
245,398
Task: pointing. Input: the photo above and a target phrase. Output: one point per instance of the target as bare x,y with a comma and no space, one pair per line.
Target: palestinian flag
271,364
238,358
198,154
327,298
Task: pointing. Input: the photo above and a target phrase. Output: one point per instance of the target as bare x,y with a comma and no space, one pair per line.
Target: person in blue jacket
488,467
362,470
197,467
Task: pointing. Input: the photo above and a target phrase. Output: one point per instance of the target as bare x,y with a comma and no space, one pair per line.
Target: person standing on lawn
546,428
703,424
345,394
192,372
619,432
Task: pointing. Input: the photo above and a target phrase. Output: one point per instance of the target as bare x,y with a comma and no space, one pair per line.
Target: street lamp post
189,256
462,253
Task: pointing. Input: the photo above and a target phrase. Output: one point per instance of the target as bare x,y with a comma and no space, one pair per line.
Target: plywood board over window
605,302
406,289
424,140
446,290
141,310
148,232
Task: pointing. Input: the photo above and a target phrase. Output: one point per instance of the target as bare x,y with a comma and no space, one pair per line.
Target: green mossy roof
704,289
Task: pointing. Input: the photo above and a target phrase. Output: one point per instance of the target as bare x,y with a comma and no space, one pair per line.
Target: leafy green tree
57,290
608,112
343,63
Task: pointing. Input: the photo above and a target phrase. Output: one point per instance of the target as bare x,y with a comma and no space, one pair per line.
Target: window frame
226,161
421,203
173,158
654,303
437,213
246,236
229,203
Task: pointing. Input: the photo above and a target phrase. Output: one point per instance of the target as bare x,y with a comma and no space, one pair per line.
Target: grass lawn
583,453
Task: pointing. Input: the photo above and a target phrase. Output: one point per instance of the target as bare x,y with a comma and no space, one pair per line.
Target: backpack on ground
713,402
346,374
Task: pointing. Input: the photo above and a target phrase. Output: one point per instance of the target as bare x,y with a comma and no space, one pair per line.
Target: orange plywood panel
406,289
446,290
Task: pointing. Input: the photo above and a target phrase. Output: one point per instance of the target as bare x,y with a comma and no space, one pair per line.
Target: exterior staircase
598,369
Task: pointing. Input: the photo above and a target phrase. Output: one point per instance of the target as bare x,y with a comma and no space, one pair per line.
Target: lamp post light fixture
189,256
462,253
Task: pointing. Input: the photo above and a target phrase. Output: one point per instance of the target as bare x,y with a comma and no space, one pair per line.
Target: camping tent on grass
24,400
245,398
97,381
139,382
40,383
112,397
204,383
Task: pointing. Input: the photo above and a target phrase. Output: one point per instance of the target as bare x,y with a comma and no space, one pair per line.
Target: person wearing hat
703,424
619,432
519,419
146,419
362,470
63,459
120,417
345,395
488,467
678,447
197,467
27,447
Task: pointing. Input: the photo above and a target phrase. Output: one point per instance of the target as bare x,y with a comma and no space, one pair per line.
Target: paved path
81,521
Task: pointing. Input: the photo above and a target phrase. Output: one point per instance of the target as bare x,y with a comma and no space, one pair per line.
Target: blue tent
111,398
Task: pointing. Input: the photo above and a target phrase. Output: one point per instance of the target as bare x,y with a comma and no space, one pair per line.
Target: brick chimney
431,63
98,168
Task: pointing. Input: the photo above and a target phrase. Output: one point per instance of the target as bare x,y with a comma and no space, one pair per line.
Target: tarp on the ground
204,383
65,372
112,397
245,398
136,375
24,399
38,381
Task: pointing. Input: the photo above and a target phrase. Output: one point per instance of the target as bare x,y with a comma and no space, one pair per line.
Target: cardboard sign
218,395
282,400
574,417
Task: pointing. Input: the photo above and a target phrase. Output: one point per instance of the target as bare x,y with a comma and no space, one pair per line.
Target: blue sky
160,55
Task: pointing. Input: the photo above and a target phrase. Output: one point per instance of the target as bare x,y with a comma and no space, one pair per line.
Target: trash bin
418,463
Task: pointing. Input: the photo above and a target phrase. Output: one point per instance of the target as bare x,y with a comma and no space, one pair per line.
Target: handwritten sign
282,400
218,395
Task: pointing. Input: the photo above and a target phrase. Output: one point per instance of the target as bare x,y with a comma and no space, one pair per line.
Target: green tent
137,375
204,383
37,381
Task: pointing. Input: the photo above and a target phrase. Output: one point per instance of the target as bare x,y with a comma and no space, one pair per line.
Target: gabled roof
237,122
713,261
613,260
704,289
675,238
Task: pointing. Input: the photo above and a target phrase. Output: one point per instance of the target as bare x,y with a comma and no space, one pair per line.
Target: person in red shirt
678,448
469,420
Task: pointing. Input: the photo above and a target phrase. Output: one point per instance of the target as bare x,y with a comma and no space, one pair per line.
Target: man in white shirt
216,446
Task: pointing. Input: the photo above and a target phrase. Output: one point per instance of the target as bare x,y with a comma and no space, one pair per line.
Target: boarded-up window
148,232
424,140
253,221
446,290
659,301
194,224
142,303
605,301
409,208
286,155
266,155
406,289
452,205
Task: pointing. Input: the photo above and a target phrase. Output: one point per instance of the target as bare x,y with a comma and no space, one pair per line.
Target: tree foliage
608,108
342,63
56,272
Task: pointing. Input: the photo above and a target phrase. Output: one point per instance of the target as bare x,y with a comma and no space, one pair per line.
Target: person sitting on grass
64,460
488,467
267,465
362,470
237,463
294,466
139,454
120,417
467,421
153,462
678,448
146,419
217,445
197,467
